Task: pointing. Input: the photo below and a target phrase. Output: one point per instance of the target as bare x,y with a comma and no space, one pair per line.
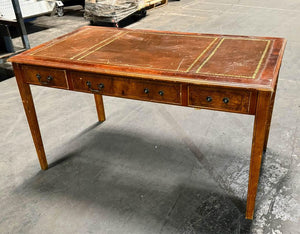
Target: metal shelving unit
8,48
13,13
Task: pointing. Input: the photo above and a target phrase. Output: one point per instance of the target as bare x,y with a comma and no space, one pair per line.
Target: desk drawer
45,76
127,87
219,99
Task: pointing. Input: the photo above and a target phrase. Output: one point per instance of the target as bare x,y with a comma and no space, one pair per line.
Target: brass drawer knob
209,99
225,100
161,93
146,90
49,78
100,86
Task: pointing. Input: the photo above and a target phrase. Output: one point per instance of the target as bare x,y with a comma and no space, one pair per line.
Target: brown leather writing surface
149,50
251,62
236,57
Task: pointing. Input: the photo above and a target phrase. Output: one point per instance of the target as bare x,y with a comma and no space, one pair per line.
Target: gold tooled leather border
229,75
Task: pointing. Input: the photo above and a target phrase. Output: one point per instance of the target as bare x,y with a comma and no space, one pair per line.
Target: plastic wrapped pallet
115,10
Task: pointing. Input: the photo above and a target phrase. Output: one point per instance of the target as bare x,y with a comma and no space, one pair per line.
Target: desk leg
270,117
258,141
28,105
100,107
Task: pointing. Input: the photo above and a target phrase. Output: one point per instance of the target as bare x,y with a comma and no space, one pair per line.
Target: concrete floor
152,168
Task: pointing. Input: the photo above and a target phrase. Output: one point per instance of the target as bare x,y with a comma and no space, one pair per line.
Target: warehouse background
153,168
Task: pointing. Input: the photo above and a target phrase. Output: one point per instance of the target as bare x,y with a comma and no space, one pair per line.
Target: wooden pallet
150,4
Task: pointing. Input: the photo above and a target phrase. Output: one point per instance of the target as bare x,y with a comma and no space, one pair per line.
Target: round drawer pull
146,90
225,100
161,93
208,99
100,86
49,78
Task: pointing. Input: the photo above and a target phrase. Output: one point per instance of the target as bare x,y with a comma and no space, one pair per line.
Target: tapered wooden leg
259,137
270,117
100,107
28,105
268,124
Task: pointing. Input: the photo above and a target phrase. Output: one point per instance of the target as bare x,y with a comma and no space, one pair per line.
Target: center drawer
127,87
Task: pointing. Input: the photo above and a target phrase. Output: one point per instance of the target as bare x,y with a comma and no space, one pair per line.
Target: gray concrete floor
152,168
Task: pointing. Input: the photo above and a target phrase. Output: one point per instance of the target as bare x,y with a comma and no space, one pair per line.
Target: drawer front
127,87
45,76
219,99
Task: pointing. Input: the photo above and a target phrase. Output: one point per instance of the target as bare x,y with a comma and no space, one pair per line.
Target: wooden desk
217,72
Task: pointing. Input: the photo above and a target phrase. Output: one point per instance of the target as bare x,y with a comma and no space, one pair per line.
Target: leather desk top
235,61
